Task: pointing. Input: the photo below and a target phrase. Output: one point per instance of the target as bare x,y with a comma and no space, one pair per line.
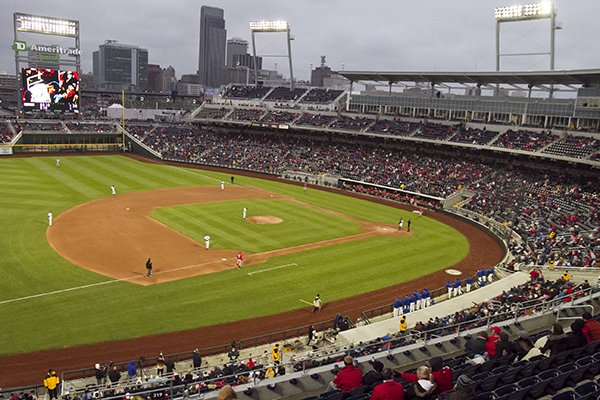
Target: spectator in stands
348,378
592,326
490,345
100,374
504,347
525,348
131,371
577,338
556,342
374,376
160,364
425,386
276,354
476,346
226,393
389,389
464,389
51,383
441,374
114,375
196,360
170,365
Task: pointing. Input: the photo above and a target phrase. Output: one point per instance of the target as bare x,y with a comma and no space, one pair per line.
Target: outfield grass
223,220
33,186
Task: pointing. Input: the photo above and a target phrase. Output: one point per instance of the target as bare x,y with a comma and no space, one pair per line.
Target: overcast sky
403,35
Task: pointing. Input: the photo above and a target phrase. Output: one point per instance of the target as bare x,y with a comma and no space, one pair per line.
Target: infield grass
228,230
109,310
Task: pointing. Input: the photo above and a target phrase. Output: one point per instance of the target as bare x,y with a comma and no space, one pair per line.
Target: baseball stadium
406,235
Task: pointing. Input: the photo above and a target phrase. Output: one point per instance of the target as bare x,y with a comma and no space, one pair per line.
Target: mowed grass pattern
224,222
103,310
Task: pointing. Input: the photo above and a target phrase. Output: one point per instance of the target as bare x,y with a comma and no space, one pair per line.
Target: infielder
239,259
207,242
50,218
222,185
58,162
244,212
317,304
400,224
113,190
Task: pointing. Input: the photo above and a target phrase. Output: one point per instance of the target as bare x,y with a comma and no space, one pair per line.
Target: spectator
389,389
556,341
131,371
160,365
441,375
226,393
526,349
490,345
425,387
100,374
374,377
503,346
196,360
592,326
170,365
348,378
114,375
233,355
577,338
276,354
476,346
51,383
464,389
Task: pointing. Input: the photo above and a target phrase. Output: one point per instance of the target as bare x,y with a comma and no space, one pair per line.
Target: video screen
51,90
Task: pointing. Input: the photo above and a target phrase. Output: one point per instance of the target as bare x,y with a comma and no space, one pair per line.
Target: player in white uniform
207,242
113,190
244,212
50,218
222,185
58,162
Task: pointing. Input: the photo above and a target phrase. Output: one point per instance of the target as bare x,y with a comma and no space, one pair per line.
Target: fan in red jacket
389,389
348,378
490,346
442,376
592,326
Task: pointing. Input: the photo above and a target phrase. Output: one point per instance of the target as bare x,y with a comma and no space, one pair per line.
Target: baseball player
400,224
239,259
113,190
222,185
207,242
149,268
58,162
244,212
50,218
317,304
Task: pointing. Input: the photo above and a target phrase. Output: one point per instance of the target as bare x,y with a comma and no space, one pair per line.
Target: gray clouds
362,35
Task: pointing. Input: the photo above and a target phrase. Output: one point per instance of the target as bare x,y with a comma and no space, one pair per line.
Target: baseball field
82,282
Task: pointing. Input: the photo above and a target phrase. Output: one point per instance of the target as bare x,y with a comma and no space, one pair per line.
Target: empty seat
570,395
585,388
490,383
510,375
505,390
485,396
528,382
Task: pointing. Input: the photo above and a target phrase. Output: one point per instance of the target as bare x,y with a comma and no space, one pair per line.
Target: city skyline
427,36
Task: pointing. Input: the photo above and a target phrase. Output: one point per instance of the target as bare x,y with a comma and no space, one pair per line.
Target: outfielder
113,190
50,218
239,259
58,162
244,212
222,185
207,242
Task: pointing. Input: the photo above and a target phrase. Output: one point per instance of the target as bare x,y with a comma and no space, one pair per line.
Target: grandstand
531,177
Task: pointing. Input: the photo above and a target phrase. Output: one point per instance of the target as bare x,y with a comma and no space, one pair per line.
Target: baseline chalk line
272,268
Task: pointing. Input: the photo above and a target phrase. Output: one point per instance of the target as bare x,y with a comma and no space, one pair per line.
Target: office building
211,58
120,66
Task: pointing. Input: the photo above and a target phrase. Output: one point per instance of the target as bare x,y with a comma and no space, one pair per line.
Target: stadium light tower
272,27
528,12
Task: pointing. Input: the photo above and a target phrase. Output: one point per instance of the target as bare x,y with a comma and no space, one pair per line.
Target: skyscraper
118,66
211,58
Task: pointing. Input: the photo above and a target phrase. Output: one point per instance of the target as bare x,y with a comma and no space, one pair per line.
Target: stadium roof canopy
587,77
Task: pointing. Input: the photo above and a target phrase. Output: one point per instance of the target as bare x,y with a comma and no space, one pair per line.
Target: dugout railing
408,346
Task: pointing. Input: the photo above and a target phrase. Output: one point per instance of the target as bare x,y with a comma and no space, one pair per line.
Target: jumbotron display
51,90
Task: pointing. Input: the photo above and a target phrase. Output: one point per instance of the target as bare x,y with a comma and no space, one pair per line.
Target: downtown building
239,67
211,57
119,66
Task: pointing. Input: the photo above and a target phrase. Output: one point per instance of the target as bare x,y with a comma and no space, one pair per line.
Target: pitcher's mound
265,219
